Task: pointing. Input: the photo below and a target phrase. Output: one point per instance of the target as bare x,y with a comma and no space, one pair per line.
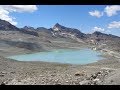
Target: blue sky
86,18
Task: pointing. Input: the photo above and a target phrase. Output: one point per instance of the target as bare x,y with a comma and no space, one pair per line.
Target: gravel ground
43,73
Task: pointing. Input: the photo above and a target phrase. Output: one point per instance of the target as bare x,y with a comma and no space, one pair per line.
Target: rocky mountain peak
63,31
57,27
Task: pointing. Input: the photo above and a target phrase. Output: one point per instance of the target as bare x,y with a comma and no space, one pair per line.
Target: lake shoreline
14,72
81,56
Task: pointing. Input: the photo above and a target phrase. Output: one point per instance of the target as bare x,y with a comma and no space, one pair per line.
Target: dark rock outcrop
5,26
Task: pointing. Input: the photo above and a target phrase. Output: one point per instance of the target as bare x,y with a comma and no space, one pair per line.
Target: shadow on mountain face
20,44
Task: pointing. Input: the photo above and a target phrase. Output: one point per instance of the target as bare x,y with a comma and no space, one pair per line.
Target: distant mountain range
57,29
97,38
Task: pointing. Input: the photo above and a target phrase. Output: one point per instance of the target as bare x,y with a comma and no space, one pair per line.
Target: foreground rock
40,73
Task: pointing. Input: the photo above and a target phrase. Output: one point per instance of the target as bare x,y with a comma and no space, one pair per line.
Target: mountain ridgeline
21,41
57,30
36,35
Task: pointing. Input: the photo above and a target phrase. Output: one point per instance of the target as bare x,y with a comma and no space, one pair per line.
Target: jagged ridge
62,31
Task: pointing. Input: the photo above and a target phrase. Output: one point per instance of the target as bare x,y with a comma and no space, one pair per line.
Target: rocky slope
65,31
29,39
57,36
4,25
15,40
106,43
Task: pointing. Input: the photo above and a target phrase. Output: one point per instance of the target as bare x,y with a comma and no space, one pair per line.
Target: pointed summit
57,24
57,27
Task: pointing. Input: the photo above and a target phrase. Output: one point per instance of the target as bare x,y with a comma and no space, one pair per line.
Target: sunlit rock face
57,27
62,31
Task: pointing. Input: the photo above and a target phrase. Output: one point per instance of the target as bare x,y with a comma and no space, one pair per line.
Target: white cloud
114,24
96,13
4,15
20,8
98,29
112,10
5,11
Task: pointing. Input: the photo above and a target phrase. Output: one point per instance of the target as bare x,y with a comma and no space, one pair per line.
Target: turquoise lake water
70,56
